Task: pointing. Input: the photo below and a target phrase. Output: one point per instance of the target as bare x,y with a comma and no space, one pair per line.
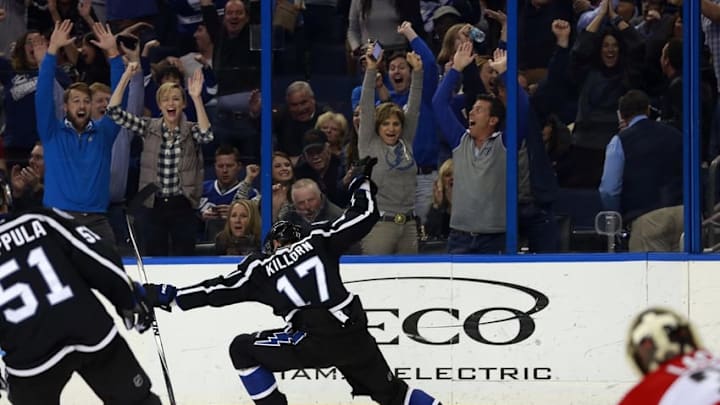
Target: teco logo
471,323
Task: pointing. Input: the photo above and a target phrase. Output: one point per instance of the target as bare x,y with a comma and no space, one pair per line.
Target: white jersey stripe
244,372
80,245
210,289
59,355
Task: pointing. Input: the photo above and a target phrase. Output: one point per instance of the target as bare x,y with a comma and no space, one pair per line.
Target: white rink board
571,349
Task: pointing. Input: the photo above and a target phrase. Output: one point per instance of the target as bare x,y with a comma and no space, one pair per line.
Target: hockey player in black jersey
51,322
300,280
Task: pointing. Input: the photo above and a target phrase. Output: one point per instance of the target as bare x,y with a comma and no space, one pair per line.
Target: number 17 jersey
302,275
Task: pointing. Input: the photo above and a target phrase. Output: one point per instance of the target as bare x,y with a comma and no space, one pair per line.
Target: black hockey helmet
284,232
656,336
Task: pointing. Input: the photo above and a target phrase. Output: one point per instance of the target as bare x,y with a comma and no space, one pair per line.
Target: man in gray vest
477,218
642,177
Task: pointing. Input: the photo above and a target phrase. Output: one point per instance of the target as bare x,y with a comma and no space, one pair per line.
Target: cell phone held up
377,50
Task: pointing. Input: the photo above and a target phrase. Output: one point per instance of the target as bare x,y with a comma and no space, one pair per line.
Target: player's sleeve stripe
343,223
336,311
208,290
80,245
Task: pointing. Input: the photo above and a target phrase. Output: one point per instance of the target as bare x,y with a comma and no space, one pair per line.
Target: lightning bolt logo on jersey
282,338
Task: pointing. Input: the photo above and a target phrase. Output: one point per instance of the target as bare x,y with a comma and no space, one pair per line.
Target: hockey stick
132,211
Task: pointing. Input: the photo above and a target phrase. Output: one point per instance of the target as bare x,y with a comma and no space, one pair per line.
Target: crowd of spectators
101,98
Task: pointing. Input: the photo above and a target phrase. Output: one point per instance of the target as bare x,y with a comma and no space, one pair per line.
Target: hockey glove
363,171
140,317
160,295
365,166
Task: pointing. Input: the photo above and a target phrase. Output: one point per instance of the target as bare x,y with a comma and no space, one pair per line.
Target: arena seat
581,206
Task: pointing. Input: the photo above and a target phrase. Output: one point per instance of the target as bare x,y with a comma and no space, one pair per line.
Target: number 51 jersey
301,275
48,266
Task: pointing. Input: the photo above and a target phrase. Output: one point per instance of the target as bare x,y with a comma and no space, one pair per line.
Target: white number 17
303,269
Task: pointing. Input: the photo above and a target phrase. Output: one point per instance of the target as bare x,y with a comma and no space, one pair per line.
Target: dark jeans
460,242
170,227
538,225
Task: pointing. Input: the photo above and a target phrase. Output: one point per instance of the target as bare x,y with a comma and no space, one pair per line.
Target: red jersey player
676,371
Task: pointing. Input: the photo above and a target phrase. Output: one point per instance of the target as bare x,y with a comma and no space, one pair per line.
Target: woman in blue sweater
19,76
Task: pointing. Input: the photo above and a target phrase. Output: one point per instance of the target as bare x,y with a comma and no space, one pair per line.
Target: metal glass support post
692,193
266,114
511,128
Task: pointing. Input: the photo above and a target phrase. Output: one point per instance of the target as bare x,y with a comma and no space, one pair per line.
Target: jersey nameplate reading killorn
289,258
21,235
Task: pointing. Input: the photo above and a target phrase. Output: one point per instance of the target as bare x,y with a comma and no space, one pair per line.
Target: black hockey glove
160,295
140,316
362,169
365,166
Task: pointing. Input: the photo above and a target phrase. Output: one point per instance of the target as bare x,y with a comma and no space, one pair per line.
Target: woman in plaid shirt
171,158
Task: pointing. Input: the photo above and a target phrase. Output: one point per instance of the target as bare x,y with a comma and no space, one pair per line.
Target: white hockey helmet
656,336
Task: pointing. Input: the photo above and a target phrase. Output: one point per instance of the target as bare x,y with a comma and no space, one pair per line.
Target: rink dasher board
458,330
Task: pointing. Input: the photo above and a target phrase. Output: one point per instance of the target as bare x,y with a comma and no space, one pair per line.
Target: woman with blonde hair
387,133
241,234
453,37
171,158
335,127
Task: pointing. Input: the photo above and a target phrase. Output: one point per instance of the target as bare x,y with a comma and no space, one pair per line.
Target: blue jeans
460,242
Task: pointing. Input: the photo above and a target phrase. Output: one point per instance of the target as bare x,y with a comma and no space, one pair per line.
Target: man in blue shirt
77,149
642,176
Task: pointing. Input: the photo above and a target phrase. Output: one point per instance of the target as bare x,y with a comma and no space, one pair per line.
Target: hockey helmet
656,336
284,232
